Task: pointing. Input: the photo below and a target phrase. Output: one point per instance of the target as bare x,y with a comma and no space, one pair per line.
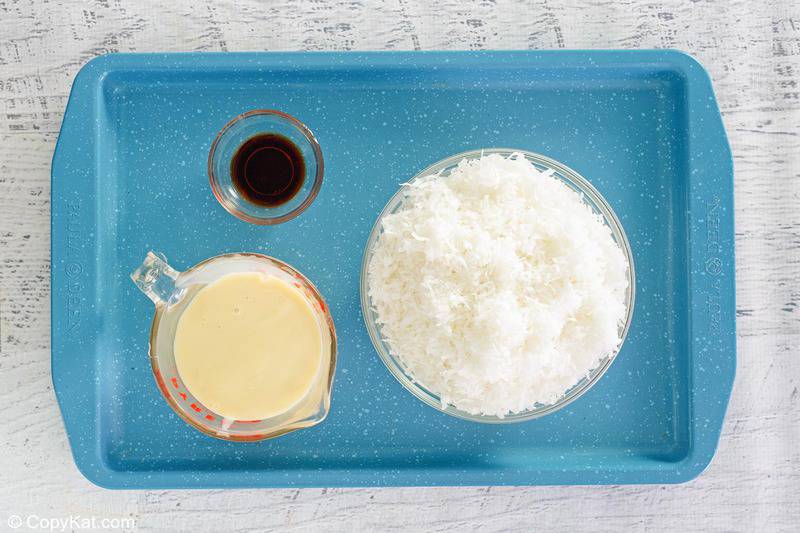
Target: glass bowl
590,196
237,132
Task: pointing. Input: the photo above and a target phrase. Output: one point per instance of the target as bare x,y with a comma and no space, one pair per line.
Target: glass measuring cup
172,291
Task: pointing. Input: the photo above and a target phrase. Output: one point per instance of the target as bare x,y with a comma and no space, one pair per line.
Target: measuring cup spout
155,278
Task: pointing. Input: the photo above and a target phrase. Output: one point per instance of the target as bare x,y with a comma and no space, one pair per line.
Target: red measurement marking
209,417
159,379
194,406
182,395
174,382
248,421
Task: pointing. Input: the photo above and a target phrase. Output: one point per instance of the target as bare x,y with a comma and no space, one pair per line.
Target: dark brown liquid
268,170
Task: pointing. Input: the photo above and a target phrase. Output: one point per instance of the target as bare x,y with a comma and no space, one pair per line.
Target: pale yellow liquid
248,346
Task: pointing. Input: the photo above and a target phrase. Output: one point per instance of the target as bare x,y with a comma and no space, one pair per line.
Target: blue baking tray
129,175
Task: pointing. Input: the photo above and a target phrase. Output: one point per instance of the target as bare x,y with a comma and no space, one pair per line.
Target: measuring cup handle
155,278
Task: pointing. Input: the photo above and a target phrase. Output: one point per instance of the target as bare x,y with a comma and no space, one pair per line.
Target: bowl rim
318,176
573,180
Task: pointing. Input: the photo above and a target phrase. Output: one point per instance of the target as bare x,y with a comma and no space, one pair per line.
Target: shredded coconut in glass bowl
496,286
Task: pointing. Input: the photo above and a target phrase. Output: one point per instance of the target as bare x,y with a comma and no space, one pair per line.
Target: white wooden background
752,50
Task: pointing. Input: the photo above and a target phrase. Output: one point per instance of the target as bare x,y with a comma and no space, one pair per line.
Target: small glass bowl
590,196
233,135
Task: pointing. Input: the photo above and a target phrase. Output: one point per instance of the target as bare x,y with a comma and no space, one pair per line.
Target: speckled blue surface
129,175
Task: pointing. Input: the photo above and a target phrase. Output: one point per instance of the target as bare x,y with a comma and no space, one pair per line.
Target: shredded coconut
496,286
